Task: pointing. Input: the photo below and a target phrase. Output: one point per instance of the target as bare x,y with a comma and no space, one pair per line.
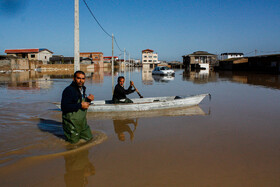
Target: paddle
137,92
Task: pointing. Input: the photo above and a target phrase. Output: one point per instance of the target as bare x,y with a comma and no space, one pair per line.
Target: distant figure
74,105
120,93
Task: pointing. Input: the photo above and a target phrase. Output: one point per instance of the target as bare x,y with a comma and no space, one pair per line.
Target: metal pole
124,56
129,66
76,38
123,65
112,65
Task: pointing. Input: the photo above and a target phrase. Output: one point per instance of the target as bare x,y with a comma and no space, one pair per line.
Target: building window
45,57
155,61
145,56
150,60
32,55
155,56
151,65
150,57
145,60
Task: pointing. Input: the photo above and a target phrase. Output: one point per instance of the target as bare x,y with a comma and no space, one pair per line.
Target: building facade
149,58
225,56
108,59
97,57
31,54
199,60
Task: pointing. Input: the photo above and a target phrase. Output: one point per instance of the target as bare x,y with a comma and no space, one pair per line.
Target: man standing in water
120,93
74,105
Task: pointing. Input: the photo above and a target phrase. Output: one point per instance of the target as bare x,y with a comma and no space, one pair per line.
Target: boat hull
146,104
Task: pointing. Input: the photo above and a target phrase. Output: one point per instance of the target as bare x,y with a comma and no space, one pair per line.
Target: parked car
163,70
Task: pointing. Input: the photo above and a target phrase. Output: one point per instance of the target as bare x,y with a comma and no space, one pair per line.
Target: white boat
163,70
146,104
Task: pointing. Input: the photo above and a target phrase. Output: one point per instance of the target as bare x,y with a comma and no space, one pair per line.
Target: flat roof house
149,58
96,57
31,54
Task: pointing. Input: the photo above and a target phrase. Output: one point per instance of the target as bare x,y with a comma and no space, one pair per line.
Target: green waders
75,126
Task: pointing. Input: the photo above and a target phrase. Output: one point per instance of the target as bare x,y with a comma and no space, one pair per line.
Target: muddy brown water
231,140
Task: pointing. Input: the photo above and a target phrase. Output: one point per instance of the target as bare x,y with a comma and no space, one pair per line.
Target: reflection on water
122,126
27,80
231,144
161,78
200,76
183,111
258,79
78,168
251,78
32,80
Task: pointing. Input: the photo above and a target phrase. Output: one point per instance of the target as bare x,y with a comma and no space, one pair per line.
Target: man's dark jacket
120,92
70,97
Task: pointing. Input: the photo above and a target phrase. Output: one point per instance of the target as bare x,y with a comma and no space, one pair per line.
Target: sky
172,28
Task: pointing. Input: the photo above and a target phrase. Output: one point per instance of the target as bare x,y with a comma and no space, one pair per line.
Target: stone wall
5,65
61,67
18,64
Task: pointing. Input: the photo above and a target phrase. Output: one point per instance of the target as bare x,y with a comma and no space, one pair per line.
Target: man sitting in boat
120,93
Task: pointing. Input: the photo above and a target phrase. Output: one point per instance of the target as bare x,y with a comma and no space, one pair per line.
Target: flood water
232,139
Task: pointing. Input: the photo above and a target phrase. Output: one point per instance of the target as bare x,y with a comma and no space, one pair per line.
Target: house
199,60
225,56
97,57
262,63
60,59
107,59
149,58
41,54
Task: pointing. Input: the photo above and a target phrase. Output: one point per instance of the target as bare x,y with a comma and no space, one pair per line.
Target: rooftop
201,53
11,51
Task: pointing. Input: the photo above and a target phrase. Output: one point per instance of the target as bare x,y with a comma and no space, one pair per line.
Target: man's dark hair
120,77
78,72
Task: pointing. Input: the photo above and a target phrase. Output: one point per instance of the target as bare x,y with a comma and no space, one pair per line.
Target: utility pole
129,58
124,57
76,38
112,64
256,52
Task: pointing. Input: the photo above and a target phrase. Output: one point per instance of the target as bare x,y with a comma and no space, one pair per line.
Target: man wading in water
74,105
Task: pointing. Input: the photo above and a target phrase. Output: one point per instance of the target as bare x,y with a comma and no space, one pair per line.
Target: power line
101,25
117,44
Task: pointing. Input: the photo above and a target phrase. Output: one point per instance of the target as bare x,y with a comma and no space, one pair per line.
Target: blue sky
171,28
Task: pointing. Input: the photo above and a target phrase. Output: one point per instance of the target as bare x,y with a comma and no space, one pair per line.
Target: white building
225,56
149,58
31,54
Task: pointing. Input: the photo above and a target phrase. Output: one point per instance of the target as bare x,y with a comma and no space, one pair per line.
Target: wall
44,56
5,65
61,67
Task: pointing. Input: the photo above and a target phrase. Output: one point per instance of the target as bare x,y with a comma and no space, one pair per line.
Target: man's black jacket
70,97
120,92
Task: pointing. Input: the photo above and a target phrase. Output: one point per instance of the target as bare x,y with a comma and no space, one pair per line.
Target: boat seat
109,102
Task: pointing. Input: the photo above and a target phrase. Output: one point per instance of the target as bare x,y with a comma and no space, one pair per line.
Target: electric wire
101,25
